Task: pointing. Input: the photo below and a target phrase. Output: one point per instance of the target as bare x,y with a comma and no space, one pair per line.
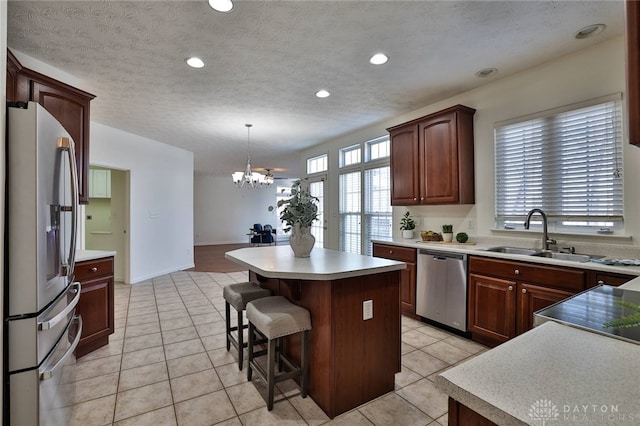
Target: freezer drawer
42,387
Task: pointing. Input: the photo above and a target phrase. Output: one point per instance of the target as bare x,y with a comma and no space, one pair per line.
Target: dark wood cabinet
69,105
595,278
461,415
407,276
96,305
503,295
632,12
432,159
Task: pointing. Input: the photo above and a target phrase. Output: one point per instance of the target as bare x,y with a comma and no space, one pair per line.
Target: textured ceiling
266,59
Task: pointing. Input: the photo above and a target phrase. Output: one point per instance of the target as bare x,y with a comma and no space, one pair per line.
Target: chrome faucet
546,242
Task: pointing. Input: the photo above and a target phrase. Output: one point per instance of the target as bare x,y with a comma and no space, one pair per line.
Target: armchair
262,235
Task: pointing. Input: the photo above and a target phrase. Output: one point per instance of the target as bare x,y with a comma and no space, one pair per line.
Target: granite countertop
479,249
82,255
324,264
582,378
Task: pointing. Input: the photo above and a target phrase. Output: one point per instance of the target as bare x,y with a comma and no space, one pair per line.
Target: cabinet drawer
558,277
89,269
608,278
402,254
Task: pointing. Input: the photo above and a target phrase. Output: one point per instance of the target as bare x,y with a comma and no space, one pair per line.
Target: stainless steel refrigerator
40,327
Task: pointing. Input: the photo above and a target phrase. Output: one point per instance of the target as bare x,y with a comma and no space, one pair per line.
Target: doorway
107,216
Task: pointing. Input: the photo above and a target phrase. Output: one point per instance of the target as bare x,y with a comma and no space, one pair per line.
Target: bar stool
238,295
274,318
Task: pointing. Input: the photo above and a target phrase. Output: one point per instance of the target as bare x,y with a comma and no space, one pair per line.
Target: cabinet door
96,308
408,290
492,307
632,11
439,159
72,111
17,84
595,278
99,183
404,166
532,298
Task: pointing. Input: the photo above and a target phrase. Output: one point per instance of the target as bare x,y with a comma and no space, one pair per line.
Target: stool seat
275,317
238,295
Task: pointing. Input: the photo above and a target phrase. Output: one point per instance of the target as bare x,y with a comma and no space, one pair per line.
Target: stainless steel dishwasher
441,293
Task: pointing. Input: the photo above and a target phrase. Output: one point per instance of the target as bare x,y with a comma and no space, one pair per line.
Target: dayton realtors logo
545,411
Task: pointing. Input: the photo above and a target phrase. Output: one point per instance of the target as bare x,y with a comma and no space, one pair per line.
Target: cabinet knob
94,269
517,271
390,251
524,290
600,282
510,288
421,198
415,199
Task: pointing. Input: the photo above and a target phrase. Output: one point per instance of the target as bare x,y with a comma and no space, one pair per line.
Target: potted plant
407,225
447,233
298,214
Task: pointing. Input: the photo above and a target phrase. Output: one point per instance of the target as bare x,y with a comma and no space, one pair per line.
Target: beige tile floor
167,364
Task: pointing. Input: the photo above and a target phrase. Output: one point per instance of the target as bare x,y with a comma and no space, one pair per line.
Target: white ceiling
266,59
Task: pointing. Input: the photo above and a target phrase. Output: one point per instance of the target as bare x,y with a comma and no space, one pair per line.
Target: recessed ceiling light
322,93
221,5
194,62
589,31
486,72
379,59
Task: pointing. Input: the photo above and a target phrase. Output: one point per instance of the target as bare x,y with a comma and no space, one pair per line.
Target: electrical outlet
470,224
367,310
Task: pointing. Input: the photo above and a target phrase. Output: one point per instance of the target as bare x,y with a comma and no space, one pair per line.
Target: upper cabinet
633,69
432,159
70,106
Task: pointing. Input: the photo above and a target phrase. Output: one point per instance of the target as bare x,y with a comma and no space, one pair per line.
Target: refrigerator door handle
50,323
49,372
67,145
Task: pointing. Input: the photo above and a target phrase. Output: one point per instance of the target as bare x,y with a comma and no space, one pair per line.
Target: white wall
223,213
590,73
161,199
3,113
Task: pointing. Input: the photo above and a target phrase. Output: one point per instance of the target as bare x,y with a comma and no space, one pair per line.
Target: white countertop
479,249
82,255
579,372
323,264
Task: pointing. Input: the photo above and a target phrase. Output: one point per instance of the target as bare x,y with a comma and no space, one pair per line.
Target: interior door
319,227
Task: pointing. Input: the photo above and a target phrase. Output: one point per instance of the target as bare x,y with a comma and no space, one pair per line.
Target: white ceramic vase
407,233
301,241
447,237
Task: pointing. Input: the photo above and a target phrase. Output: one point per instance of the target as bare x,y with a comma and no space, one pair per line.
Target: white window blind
317,227
350,202
377,206
569,163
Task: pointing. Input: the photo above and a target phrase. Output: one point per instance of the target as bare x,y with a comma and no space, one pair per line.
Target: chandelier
249,178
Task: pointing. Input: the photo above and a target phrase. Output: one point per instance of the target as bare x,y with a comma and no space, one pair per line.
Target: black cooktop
591,309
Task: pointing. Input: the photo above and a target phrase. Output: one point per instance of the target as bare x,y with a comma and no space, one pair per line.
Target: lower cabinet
461,415
595,278
407,276
96,305
504,295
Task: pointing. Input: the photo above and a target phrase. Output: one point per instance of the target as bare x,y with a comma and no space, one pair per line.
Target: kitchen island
554,373
352,360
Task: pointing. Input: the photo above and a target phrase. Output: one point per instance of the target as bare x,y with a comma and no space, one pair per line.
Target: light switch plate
367,310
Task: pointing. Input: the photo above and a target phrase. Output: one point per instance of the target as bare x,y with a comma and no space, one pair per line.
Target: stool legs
240,329
271,364
304,354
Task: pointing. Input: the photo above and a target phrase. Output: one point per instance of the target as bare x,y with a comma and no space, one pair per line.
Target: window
365,197
377,149
350,236
317,164
350,156
316,189
567,162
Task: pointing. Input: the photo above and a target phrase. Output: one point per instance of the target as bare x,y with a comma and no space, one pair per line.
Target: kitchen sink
540,253
512,250
567,256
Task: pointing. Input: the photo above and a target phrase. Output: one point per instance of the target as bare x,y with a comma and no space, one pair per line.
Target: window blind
377,206
350,208
316,189
567,163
